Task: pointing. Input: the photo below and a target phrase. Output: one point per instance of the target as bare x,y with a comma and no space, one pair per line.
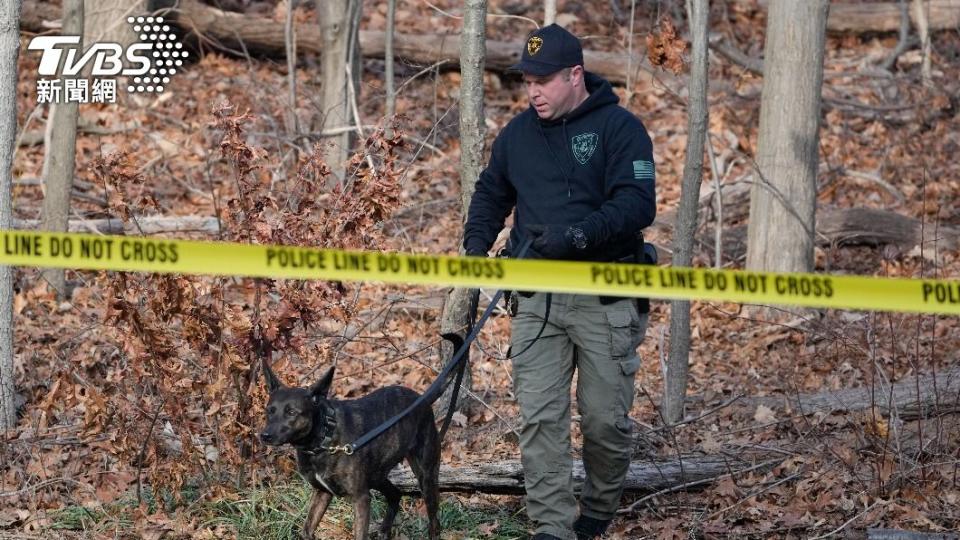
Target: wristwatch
577,237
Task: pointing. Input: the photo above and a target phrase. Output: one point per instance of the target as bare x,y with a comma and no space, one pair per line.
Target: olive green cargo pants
600,343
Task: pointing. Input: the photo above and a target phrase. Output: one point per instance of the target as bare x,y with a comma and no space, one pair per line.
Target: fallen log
868,226
506,477
240,32
910,398
895,534
860,17
147,225
835,227
885,16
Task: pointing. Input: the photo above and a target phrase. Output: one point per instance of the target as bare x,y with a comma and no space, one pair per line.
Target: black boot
588,528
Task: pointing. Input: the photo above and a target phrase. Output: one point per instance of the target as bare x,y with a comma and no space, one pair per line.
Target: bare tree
549,12
290,40
921,20
457,308
675,383
9,51
388,72
783,196
59,160
339,61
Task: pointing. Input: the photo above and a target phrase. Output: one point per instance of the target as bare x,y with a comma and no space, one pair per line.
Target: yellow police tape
125,253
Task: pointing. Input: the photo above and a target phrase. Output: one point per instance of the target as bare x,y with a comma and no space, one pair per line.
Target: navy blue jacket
592,168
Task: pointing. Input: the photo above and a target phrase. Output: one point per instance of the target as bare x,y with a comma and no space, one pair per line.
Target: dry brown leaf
665,48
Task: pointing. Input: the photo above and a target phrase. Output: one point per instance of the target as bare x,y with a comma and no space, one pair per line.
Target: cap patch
534,44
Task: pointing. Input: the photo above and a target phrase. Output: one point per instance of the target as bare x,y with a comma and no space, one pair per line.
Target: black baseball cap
548,50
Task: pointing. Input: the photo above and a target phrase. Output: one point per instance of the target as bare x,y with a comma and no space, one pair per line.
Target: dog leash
432,393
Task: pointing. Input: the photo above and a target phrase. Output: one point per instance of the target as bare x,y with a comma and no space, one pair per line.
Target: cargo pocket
622,328
623,345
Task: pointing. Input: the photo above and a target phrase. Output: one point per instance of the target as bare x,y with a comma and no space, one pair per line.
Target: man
578,169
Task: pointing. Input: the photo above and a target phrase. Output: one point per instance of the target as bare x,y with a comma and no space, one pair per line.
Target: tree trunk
921,21
506,477
388,72
9,51
549,12
783,196
106,20
675,383
59,159
290,45
339,24
457,309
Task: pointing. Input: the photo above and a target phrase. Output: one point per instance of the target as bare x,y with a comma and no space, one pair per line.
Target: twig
849,521
718,190
903,42
702,415
875,178
661,351
38,486
423,71
752,495
700,482
356,111
143,449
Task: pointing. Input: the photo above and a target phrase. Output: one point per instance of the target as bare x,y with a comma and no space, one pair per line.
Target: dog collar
327,445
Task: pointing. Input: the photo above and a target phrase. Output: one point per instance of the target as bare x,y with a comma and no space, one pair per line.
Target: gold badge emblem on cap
534,44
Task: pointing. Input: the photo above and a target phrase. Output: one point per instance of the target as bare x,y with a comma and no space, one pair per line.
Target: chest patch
584,145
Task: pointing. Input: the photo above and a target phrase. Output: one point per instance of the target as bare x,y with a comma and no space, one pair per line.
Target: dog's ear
272,381
322,387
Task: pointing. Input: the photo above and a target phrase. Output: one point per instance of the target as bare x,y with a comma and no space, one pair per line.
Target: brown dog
319,427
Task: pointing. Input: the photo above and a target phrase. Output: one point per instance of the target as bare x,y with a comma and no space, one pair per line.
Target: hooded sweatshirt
592,168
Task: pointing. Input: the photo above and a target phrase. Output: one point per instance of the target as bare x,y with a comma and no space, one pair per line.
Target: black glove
555,241
475,252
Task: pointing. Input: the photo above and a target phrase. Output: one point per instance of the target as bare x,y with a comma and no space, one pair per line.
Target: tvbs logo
147,64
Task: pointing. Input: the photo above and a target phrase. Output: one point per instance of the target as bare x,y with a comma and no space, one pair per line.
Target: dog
318,428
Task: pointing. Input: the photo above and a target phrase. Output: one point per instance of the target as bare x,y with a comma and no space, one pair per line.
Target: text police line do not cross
123,253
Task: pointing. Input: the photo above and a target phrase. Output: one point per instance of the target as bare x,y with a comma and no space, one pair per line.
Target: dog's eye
292,412
271,410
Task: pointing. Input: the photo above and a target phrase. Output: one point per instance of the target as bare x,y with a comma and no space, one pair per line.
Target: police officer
578,170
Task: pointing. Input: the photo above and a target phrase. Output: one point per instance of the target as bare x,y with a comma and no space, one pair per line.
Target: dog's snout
267,437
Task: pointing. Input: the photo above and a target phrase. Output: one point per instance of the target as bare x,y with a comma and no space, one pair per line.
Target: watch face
579,238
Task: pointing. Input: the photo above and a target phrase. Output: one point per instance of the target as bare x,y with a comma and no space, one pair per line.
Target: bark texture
675,383
59,159
783,197
9,51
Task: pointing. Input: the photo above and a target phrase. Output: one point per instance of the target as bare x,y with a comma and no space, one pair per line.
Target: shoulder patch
643,170
584,145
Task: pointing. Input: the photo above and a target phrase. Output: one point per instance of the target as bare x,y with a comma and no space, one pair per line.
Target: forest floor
99,451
